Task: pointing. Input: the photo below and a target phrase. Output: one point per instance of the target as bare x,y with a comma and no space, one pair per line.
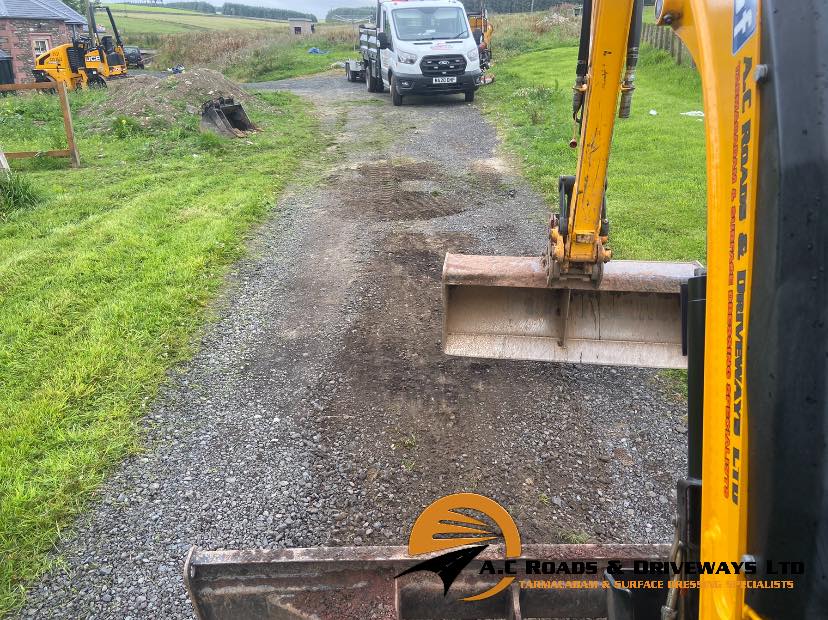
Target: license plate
445,80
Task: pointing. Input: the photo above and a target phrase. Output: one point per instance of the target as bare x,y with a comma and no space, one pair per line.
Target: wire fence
664,38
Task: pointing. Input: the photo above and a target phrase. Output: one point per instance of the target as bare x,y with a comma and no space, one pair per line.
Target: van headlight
473,55
406,58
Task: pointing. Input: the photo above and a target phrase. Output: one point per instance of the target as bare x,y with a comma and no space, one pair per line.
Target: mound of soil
161,100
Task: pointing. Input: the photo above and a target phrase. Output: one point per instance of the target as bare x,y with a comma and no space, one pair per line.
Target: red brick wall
17,37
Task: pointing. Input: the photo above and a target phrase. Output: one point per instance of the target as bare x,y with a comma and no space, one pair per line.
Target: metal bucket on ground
225,117
502,307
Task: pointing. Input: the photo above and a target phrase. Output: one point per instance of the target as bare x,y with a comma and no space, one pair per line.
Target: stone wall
17,37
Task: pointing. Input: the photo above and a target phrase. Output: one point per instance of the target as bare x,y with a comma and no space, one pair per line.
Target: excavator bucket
226,118
359,583
502,307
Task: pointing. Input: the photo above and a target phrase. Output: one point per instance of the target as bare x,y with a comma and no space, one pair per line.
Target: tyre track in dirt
320,409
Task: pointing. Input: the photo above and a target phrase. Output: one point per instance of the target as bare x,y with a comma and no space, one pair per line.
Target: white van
421,47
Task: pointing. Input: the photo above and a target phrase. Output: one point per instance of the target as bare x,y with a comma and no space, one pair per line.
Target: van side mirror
478,36
382,40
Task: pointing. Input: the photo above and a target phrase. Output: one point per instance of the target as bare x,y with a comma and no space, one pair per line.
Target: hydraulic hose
633,44
583,59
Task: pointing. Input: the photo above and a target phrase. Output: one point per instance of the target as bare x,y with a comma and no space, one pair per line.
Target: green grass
257,55
656,198
102,288
279,61
135,20
16,192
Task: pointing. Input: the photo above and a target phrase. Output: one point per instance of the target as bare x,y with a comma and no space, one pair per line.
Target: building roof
39,9
291,19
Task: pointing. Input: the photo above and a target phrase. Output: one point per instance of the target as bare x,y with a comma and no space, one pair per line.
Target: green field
102,286
137,19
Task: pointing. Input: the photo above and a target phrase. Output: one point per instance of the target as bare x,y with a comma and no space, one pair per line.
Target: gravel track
320,410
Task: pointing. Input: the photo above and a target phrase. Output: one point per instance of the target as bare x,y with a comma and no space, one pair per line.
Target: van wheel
348,75
396,97
469,95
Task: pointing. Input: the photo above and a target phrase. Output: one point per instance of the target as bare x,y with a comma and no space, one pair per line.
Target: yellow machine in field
751,328
89,60
483,32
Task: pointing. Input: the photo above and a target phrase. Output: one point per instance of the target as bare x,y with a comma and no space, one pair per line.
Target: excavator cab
106,55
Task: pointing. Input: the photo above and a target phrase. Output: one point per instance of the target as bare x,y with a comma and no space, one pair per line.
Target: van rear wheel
469,95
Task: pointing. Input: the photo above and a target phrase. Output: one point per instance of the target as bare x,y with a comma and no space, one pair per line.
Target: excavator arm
571,304
608,55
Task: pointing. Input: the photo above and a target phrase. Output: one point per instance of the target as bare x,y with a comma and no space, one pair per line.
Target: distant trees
495,6
362,12
516,6
200,7
244,10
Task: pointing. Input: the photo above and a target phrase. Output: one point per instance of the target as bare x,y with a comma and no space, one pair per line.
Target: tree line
229,8
516,6
495,6
362,12
199,7
244,10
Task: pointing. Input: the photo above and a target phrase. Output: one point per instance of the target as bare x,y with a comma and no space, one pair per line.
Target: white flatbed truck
418,47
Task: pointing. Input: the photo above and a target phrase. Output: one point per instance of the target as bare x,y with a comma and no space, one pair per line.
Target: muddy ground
320,409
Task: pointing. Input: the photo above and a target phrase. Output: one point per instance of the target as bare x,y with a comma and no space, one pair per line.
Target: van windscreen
430,23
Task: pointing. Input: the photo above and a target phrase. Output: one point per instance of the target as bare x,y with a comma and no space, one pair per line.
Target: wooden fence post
72,149
74,157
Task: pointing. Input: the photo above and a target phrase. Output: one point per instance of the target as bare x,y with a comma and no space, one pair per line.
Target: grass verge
656,197
102,287
258,55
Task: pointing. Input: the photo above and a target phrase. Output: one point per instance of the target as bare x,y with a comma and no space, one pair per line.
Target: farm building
30,27
301,26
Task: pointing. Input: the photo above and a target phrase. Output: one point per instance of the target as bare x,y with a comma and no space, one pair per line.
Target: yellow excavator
89,60
483,33
750,327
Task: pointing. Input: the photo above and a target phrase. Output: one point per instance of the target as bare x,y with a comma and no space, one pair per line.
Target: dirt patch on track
399,190
440,424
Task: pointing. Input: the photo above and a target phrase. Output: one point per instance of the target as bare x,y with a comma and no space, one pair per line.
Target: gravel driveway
320,409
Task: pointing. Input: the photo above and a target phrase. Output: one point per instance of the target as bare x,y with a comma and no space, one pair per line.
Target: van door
387,55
